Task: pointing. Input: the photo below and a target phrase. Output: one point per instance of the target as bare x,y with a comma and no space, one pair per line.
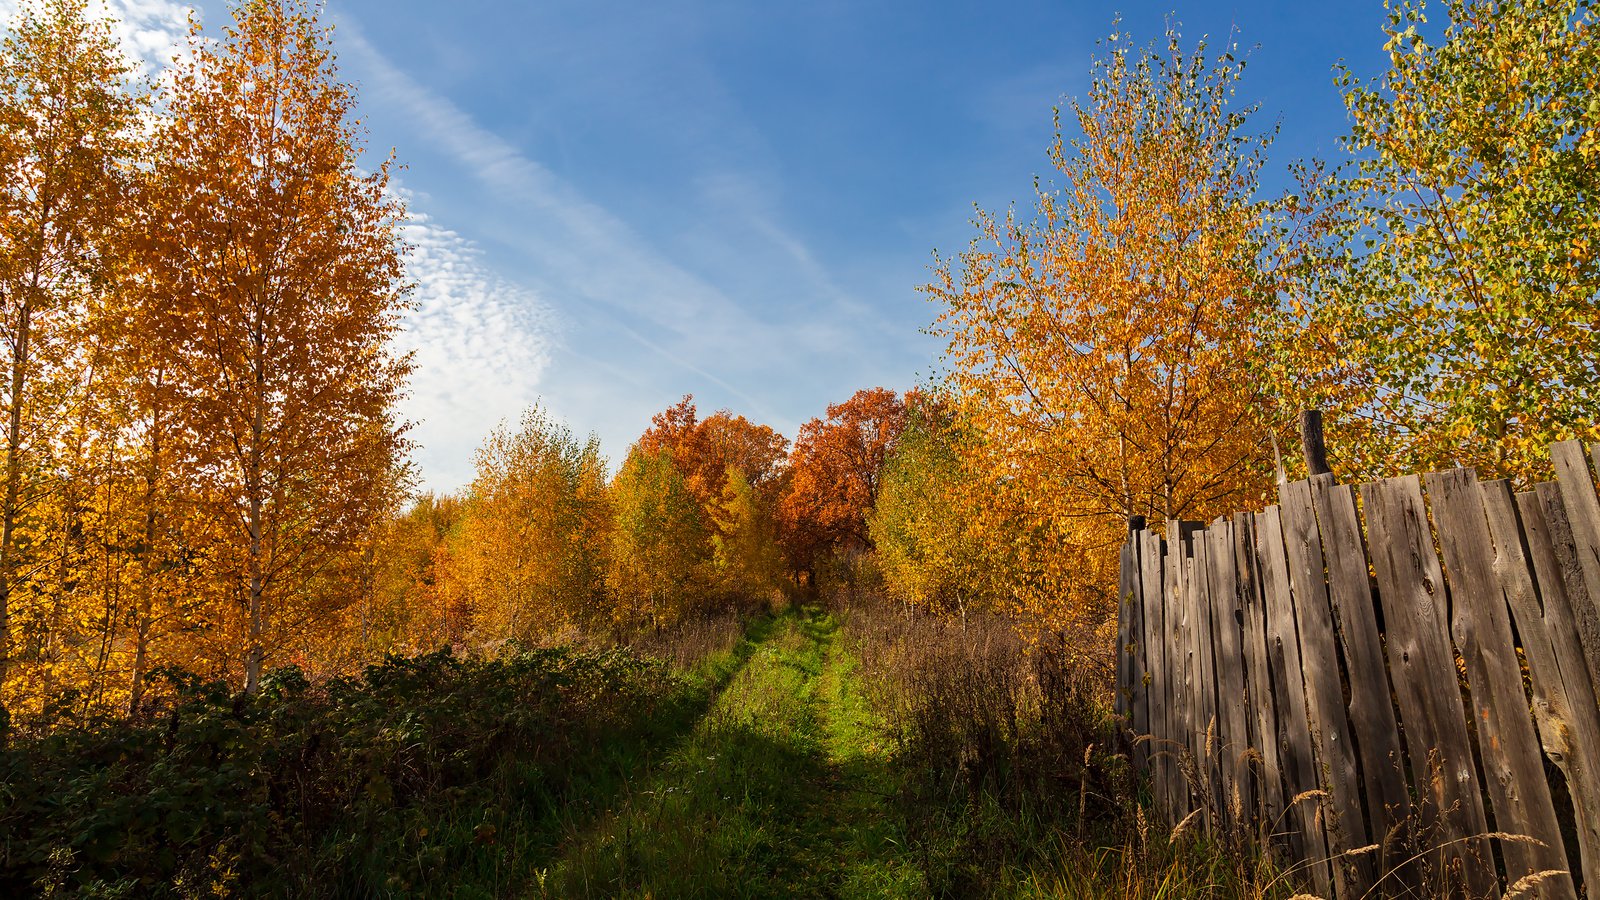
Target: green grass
779,792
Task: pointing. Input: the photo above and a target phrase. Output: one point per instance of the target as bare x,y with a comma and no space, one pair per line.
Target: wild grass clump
1013,782
418,775
687,645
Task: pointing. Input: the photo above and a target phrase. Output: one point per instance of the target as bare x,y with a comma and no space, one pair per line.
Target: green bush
367,786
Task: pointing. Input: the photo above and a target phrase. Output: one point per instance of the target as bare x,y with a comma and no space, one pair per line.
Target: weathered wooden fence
1397,690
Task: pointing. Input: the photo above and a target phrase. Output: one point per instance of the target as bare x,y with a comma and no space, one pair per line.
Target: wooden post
1316,452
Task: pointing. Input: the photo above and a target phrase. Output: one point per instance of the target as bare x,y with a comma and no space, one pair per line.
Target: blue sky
620,203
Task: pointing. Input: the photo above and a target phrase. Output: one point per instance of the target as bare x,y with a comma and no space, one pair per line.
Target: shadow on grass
756,803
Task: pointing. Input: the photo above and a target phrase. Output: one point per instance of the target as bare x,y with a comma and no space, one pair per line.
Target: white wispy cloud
151,31
578,243
481,344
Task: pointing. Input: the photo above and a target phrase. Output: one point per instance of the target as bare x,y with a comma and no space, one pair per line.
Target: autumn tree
528,559
745,556
928,524
273,276
66,123
704,449
660,548
1461,311
1096,350
835,472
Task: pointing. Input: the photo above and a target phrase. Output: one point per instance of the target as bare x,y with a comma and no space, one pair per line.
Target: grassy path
778,792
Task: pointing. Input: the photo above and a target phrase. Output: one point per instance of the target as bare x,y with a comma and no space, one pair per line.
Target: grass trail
780,791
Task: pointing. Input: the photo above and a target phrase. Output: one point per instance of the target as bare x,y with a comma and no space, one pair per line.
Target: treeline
704,516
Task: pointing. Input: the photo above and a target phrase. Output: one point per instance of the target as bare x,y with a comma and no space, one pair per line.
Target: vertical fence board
1149,575
1509,750
1422,663
1233,733
1139,695
1563,701
1296,749
1194,726
1371,709
1575,743
1263,724
1581,524
1126,598
1179,724
1346,827
1206,756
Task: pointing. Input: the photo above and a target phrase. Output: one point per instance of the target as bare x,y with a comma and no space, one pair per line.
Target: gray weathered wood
1126,598
1263,724
1296,749
1312,445
1206,749
1509,750
1234,735
1347,825
1582,524
1371,709
1178,725
1563,701
1423,671
1158,688
1180,537
1138,648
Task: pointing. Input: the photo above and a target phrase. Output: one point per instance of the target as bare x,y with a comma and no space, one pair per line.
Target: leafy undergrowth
434,776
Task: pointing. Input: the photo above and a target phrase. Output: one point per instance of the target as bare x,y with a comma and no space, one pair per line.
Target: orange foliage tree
835,472
1095,352
273,282
704,449
528,559
66,130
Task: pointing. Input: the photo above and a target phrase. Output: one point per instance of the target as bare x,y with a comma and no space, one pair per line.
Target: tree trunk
13,489
255,485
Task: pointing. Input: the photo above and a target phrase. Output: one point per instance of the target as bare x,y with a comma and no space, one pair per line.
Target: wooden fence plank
1180,724
1423,670
1563,700
1206,756
1371,709
1582,523
1152,565
1233,740
1296,749
1509,750
1263,724
1347,826
1188,751
1126,598
1139,694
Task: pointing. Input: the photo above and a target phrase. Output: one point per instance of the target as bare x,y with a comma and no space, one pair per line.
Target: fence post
1311,442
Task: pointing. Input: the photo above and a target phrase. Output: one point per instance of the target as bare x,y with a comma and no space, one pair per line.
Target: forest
242,654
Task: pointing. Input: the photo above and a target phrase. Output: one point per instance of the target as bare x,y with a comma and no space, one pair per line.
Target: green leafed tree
1460,327
926,525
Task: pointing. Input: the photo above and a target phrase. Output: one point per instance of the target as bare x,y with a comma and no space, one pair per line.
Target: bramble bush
366,786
